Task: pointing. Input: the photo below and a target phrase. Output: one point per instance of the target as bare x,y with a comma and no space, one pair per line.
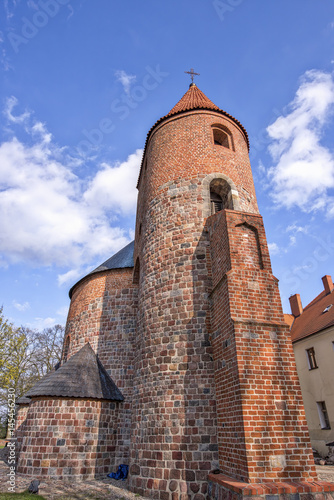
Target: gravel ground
98,490
61,490
325,473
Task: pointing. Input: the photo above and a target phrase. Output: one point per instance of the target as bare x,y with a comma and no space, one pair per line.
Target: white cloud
125,79
41,323
109,187
4,59
32,5
11,102
273,248
70,8
292,240
70,277
63,311
304,168
297,229
21,307
9,12
48,214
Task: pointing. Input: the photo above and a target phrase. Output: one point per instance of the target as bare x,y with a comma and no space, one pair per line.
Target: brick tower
176,357
215,380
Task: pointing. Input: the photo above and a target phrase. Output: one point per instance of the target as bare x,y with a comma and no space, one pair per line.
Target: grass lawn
24,496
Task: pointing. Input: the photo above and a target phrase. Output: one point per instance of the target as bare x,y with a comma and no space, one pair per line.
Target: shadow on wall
115,347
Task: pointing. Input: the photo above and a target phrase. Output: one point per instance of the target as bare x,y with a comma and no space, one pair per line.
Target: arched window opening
66,348
216,202
136,272
219,184
222,137
220,195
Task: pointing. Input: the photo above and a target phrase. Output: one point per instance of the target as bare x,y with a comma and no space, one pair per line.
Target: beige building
312,334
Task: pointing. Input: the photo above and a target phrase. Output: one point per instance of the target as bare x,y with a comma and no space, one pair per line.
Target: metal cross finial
192,73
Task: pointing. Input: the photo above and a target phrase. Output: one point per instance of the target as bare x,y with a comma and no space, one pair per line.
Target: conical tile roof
193,99
82,376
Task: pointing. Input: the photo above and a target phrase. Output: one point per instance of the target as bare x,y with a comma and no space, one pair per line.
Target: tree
26,355
12,347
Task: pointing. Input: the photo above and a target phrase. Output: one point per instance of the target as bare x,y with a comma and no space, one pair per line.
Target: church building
177,360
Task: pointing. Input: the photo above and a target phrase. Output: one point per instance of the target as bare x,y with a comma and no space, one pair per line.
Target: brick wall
20,425
174,443
262,429
69,439
103,312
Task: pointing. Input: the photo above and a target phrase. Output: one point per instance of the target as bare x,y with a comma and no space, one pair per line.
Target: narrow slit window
323,415
312,362
136,272
66,348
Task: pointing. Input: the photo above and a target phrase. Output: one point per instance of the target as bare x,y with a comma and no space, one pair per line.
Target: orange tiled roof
313,319
288,318
194,98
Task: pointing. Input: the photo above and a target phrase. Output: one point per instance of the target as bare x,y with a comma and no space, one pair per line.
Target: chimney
296,305
328,284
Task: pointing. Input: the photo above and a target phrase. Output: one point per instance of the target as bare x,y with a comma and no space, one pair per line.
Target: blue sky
81,84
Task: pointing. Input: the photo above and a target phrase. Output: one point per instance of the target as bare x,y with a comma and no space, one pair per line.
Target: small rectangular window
312,362
323,415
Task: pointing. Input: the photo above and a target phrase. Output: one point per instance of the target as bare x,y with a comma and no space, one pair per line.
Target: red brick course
223,487
261,422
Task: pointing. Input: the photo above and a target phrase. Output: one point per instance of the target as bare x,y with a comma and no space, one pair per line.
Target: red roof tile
193,99
313,318
289,318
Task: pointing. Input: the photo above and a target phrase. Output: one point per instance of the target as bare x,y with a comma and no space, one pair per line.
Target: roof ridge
194,98
82,376
314,319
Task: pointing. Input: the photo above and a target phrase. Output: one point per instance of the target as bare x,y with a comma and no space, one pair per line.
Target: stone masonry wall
69,439
103,312
174,443
20,424
262,428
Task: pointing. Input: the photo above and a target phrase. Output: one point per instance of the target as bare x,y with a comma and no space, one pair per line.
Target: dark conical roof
23,401
122,259
193,99
82,376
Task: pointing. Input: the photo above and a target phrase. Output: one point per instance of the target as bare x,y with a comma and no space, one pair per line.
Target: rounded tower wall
181,152
175,405
83,430
103,312
183,146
